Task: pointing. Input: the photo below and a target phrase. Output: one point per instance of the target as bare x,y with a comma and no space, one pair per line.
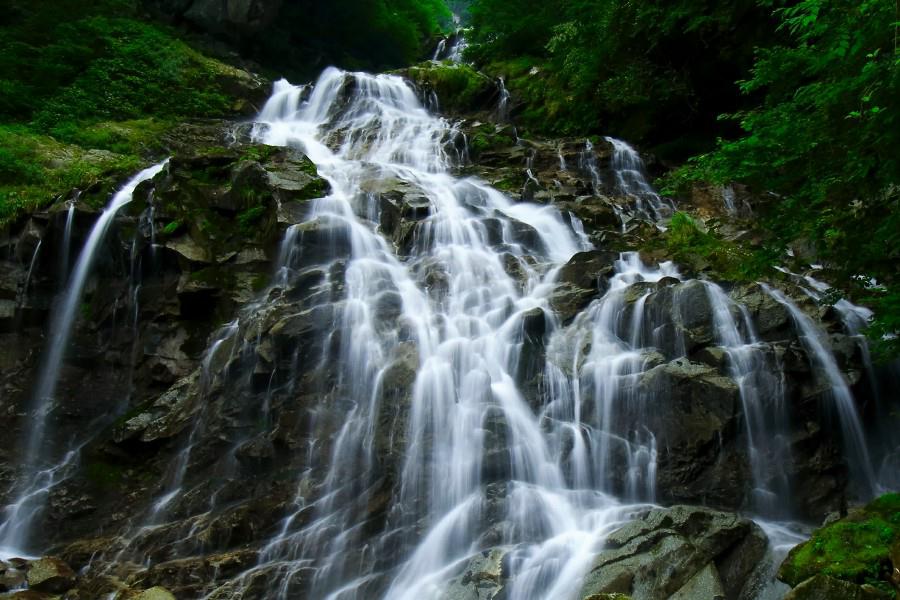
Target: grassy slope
84,99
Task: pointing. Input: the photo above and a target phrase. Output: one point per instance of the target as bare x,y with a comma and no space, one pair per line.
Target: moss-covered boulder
459,87
856,549
50,574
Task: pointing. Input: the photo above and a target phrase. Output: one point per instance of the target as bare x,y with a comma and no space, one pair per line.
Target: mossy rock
856,548
459,87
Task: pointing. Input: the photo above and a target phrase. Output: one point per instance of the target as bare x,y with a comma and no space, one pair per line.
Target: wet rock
704,585
693,410
292,176
459,87
154,593
165,417
822,587
50,574
671,551
857,549
29,595
589,270
482,578
771,319
10,577
323,240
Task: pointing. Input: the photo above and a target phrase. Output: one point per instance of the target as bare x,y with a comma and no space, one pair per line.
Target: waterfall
458,49
449,408
439,51
766,419
38,477
465,402
587,162
631,182
67,240
823,360
34,257
502,112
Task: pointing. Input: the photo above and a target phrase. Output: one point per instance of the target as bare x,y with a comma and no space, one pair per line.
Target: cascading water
632,183
67,240
764,407
34,257
854,440
855,319
40,471
441,48
587,162
502,112
468,345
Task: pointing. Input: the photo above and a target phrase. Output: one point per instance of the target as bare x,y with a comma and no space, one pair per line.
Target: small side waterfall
34,257
631,182
502,112
67,240
766,415
441,48
40,472
853,437
587,162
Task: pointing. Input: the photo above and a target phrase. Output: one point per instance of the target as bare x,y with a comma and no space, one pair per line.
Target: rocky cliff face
231,18
205,396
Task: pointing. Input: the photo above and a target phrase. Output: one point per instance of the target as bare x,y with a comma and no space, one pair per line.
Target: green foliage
88,89
36,169
248,218
104,474
172,227
824,138
457,85
703,249
356,34
856,548
99,64
647,71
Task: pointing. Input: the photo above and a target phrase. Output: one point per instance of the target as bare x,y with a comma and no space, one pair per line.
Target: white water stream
41,472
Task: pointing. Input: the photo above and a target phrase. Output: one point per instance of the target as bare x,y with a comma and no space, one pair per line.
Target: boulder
50,574
459,87
675,552
858,549
166,417
155,593
10,577
771,319
704,585
693,411
822,587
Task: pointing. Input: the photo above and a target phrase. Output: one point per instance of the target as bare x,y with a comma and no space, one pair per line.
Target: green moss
488,137
104,474
458,86
214,277
856,548
259,282
248,218
86,100
259,153
172,227
508,185
704,250
36,169
316,189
